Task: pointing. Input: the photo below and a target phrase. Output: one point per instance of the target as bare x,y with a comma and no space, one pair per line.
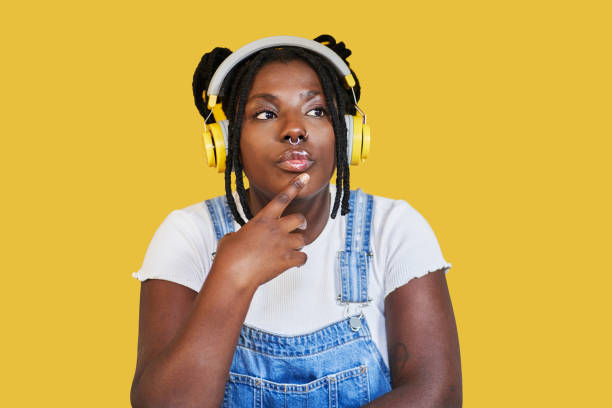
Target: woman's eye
318,112
264,115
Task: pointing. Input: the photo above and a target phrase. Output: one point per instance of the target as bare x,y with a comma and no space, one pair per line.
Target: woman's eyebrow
273,98
266,96
310,94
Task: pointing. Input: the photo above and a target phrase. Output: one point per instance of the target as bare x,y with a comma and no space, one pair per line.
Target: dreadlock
234,92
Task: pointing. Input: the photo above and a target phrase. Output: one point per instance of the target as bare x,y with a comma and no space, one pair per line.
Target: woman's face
286,103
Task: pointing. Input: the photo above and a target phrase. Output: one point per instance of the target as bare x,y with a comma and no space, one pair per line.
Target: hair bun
203,74
338,48
344,53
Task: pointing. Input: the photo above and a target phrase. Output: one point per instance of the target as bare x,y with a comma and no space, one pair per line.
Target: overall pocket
345,389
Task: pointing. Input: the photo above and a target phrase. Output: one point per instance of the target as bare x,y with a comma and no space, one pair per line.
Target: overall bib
336,366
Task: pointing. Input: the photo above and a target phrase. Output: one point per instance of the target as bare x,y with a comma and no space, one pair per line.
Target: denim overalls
336,366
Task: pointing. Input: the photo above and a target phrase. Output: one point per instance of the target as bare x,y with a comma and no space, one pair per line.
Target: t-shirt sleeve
176,253
409,246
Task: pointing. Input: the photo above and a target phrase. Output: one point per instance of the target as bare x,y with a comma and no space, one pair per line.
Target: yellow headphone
216,135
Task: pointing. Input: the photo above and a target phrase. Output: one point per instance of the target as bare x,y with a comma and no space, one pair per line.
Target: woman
293,306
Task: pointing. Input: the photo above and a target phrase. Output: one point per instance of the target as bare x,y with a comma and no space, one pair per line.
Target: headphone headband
269,42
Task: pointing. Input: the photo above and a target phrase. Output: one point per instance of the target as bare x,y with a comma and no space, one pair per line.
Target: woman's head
276,96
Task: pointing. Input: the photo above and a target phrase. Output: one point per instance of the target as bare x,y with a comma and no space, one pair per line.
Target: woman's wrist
234,277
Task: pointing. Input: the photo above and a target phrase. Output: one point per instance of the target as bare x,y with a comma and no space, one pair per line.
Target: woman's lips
295,161
297,166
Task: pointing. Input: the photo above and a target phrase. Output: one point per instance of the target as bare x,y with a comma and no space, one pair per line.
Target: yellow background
491,118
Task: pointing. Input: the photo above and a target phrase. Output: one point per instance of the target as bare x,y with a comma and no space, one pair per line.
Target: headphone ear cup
348,121
209,147
365,149
225,130
219,140
357,136
358,139
224,124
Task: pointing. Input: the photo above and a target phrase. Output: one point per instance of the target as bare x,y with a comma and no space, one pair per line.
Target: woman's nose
296,140
295,133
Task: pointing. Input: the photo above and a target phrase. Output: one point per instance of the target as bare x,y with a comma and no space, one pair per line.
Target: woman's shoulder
192,226
196,210
196,214
192,219
399,228
405,245
182,247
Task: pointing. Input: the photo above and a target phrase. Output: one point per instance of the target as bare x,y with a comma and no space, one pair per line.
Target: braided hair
234,92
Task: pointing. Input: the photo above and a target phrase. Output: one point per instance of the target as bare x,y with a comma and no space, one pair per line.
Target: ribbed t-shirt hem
170,278
401,276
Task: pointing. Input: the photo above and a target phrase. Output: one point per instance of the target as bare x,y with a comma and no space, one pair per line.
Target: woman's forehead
285,76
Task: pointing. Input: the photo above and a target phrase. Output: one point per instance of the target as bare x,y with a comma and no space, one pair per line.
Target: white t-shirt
302,300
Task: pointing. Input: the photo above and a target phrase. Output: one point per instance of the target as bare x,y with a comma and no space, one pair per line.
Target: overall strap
221,216
353,263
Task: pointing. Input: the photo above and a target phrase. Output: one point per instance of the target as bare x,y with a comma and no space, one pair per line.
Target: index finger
275,208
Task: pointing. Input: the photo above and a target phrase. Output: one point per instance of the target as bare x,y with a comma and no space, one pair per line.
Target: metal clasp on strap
355,313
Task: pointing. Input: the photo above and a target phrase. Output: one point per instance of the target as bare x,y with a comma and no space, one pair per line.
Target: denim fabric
352,266
332,367
221,216
336,366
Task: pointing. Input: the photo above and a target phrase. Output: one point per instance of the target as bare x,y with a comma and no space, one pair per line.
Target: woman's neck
315,208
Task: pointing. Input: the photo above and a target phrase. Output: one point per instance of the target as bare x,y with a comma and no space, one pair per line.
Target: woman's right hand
265,246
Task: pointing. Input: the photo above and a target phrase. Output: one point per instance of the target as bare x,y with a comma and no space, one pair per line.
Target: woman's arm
423,346
186,340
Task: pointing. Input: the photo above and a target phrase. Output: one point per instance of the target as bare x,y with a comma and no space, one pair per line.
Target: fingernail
303,179
303,226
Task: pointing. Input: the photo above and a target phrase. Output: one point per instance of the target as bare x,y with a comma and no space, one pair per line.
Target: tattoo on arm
398,357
